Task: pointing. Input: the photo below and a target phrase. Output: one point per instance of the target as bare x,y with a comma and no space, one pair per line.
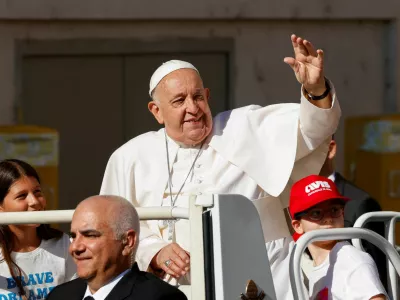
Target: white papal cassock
253,151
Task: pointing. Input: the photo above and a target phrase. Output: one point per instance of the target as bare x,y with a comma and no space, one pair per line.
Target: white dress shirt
103,292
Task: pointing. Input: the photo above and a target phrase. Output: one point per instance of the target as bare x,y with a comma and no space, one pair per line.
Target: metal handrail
65,216
334,234
377,216
389,218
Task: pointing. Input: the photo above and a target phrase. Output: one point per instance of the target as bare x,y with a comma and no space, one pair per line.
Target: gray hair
125,217
154,97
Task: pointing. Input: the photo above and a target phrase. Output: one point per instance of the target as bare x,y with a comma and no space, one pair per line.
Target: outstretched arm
308,67
319,108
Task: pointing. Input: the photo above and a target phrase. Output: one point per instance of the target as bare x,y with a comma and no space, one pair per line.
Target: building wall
360,41
207,9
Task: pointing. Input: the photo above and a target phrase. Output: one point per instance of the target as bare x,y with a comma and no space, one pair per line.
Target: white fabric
332,177
43,269
306,264
253,151
346,274
103,292
165,69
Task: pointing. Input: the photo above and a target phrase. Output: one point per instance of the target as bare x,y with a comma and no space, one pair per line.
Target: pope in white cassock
253,151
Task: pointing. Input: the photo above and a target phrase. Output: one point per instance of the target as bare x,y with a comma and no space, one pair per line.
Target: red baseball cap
310,191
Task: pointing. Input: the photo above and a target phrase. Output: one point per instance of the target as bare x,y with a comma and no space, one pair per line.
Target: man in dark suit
361,203
105,237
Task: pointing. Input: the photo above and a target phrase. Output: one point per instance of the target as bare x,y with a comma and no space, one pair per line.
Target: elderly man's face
182,105
94,247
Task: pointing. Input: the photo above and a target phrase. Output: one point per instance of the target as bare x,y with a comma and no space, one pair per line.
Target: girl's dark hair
12,170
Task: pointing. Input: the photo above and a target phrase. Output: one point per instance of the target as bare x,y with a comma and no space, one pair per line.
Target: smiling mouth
194,120
79,259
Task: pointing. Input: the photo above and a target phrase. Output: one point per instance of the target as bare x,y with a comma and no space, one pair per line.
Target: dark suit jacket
361,203
134,285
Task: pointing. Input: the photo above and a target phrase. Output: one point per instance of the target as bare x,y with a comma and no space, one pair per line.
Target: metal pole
377,216
65,216
198,290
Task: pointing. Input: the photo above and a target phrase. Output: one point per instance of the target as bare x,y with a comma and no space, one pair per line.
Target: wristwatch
326,93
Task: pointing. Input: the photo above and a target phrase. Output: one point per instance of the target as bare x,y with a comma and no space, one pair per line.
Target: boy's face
328,214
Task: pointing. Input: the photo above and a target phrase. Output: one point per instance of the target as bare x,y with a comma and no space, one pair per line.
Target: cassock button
198,181
198,166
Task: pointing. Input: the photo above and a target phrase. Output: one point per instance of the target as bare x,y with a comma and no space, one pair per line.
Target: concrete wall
206,9
360,39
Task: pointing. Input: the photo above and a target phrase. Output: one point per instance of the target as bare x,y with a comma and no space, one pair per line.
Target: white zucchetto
165,69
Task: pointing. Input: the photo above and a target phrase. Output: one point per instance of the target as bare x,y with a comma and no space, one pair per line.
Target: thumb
290,61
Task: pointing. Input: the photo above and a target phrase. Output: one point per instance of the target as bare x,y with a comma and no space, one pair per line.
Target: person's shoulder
68,289
139,142
350,256
161,289
351,190
140,139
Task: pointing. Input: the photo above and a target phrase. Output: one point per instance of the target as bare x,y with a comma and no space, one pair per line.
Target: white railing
65,216
334,234
389,218
194,291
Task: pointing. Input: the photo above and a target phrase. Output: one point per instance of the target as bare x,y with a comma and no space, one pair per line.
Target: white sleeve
281,140
364,283
316,124
119,180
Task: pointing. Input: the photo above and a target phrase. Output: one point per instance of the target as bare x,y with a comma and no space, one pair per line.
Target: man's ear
332,149
296,224
154,108
207,92
129,241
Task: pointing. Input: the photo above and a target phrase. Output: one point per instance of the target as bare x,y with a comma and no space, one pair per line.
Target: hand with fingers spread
308,65
173,260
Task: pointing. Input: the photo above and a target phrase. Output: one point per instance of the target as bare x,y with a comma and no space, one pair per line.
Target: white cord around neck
170,171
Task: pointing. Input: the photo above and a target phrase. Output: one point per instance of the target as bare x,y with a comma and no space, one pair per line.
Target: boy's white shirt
346,274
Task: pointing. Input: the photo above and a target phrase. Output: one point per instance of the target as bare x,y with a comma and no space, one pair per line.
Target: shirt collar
171,141
332,177
103,292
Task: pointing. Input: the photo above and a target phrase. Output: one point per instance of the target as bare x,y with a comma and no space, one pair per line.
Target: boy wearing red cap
340,270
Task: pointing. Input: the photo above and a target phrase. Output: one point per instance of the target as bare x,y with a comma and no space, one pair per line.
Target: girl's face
25,194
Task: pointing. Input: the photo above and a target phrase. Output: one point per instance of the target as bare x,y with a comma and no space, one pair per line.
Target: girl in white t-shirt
340,271
33,257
